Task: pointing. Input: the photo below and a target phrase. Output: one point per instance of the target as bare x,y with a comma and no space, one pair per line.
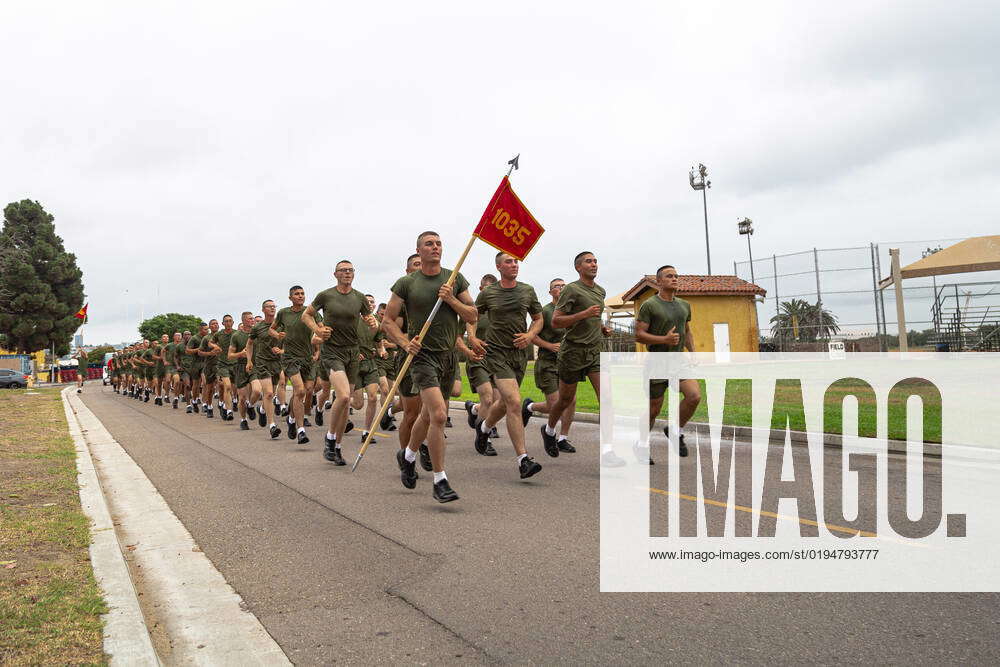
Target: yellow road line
750,510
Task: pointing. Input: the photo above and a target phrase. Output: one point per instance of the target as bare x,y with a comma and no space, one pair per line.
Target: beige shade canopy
981,253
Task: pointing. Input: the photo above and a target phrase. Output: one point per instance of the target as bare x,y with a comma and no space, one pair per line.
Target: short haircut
186,332
555,279
579,257
665,266
245,313
496,260
370,296
203,324
344,261
265,302
213,320
295,287
382,305
411,258
428,233
225,316
489,279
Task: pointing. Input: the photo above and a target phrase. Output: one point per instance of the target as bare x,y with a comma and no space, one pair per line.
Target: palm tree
803,321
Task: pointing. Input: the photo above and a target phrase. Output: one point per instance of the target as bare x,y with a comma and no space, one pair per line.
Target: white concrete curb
126,638
203,616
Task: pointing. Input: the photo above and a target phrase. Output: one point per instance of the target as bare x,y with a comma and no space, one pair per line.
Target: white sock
483,428
475,409
438,476
531,407
561,438
271,425
336,445
549,430
301,430
607,448
330,436
283,406
522,456
409,455
327,405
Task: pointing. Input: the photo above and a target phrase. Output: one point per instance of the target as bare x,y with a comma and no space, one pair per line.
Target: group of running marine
339,353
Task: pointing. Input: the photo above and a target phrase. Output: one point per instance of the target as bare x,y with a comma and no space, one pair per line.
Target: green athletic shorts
368,372
298,366
657,388
240,376
267,370
336,358
406,384
477,374
506,363
211,374
576,363
433,369
224,370
547,374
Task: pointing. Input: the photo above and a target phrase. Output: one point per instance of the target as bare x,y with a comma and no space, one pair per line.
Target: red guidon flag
507,224
82,313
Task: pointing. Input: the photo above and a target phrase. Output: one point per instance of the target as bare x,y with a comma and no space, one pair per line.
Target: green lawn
738,407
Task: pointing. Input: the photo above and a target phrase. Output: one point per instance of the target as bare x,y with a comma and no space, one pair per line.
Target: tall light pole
699,181
746,229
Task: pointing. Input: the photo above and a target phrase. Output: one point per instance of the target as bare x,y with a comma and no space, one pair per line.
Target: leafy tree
40,284
96,356
809,321
168,323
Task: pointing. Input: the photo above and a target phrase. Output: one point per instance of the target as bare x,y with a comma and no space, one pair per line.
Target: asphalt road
343,567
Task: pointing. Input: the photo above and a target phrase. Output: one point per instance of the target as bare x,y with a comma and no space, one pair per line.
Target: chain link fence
825,294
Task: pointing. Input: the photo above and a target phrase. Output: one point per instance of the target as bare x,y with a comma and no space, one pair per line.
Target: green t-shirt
419,294
548,333
195,360
168,354
297,334
210,361
341,313
222,339
238,342
575,298
661,316
262,343
82,357
147,355
368,339
507,307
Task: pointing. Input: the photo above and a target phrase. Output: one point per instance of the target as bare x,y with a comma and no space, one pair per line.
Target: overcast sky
201,157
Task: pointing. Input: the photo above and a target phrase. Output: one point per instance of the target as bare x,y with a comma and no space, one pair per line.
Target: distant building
724,310
77,341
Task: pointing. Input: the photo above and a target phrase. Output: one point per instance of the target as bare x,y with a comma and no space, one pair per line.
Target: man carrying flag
432,370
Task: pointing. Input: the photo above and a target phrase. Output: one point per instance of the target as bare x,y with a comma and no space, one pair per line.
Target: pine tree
40,284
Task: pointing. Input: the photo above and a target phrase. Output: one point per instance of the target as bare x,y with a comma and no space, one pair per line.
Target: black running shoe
525,412
494,433
471,414
682,449
291,430
262,417
425,457
328,451
79,391
447,422
528,467
564,446
443,493
284,410
482,439
175,404
489,451
338,459
305,422
156,401
197,408
392,426
549,443
208,413
243,425
348,427
364,436
190,409
275,432
319,417
147,399
386,421
251,412
407,469
303,438
314,400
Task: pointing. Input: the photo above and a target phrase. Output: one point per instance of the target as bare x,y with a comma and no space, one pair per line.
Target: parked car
12,379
